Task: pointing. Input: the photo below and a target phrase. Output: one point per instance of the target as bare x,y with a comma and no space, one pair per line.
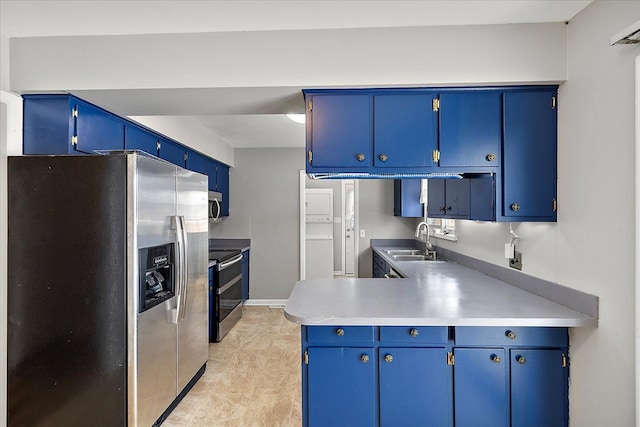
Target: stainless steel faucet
428,249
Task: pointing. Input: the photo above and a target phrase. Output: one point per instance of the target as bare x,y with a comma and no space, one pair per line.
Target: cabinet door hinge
450,358
74,140
310,105
306,357
310,156
435,104
553,102
75,111
564,360
158,145
555,205
186,156
435,155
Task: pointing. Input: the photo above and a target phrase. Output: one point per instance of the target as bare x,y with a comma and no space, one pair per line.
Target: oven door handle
226,264
233,281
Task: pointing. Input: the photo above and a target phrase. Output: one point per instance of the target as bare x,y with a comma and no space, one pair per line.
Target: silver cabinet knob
413,332
515,207
364,358
388,358
360,157
495,358
491,157
520,359
340,332
511,335
383,157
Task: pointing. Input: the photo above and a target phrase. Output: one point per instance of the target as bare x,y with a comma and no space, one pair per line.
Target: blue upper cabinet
405,130
341,131
62,124
470,129
530,146
223,187
172,152
136,138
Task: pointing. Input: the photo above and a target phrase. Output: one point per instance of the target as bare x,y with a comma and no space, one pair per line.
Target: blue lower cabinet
212,297
245,276
415,387
481,397
539,388
341,387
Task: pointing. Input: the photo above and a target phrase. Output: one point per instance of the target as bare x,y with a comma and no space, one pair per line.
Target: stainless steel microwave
215,206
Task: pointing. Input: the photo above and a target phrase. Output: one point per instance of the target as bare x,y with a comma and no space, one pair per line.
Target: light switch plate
362,233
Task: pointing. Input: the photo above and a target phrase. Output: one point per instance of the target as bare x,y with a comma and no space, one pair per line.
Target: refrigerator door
152,346
193,338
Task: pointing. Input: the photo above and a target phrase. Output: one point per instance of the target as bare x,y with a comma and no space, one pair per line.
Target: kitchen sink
416,257
397,252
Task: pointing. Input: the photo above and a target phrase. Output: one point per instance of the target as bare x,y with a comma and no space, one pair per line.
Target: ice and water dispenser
157,275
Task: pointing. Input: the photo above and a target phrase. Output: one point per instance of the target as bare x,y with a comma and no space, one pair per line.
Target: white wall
10,145
591,248
369,56
4,62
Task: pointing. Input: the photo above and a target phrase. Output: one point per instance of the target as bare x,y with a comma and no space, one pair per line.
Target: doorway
337,228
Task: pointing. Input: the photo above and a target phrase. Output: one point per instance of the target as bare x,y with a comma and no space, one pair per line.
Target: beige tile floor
252,377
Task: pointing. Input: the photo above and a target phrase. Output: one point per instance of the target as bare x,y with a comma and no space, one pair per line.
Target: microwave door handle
185,269
219,211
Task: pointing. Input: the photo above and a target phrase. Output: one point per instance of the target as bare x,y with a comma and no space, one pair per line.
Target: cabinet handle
520,359
448,208
413,332
340,332
388,358
491,157
495,358
383,157
360,157
442,209
511,335
364,358
515,207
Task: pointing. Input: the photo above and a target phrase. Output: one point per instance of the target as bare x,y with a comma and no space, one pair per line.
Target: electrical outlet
362,233
516,261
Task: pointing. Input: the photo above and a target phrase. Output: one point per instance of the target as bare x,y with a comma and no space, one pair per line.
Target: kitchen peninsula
445,342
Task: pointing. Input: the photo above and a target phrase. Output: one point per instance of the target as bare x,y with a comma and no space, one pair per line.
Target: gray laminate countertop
434,293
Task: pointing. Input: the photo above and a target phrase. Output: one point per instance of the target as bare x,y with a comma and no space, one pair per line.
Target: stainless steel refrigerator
107,288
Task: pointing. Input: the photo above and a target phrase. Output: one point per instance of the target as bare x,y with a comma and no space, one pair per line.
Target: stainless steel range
225,304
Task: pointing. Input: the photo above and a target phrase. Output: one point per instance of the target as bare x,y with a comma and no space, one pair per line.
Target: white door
349,228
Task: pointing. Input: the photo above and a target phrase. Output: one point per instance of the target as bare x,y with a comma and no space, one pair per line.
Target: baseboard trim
266,302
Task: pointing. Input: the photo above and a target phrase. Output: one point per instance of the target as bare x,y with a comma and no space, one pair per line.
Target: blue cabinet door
172,152
405,130
212,173
470,128
245,277
212,307
223,187
539,388
415,388
341,131
457,198
342,387
529,170
96,129
436,198
48,124
481,396
406,198
136,138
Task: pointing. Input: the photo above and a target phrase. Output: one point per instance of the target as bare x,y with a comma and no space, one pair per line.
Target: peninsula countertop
433,294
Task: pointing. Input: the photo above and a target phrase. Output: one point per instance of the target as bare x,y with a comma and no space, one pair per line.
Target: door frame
637,245
303,229
355,227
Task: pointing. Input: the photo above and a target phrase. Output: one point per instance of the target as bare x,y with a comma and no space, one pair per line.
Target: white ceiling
265,126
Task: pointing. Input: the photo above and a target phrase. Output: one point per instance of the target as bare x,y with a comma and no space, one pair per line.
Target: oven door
228,299
228,296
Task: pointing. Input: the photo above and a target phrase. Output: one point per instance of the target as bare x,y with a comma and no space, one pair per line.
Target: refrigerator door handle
178,225
185,270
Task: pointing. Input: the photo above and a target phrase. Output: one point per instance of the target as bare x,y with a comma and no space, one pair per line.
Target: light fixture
630,35
298,118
